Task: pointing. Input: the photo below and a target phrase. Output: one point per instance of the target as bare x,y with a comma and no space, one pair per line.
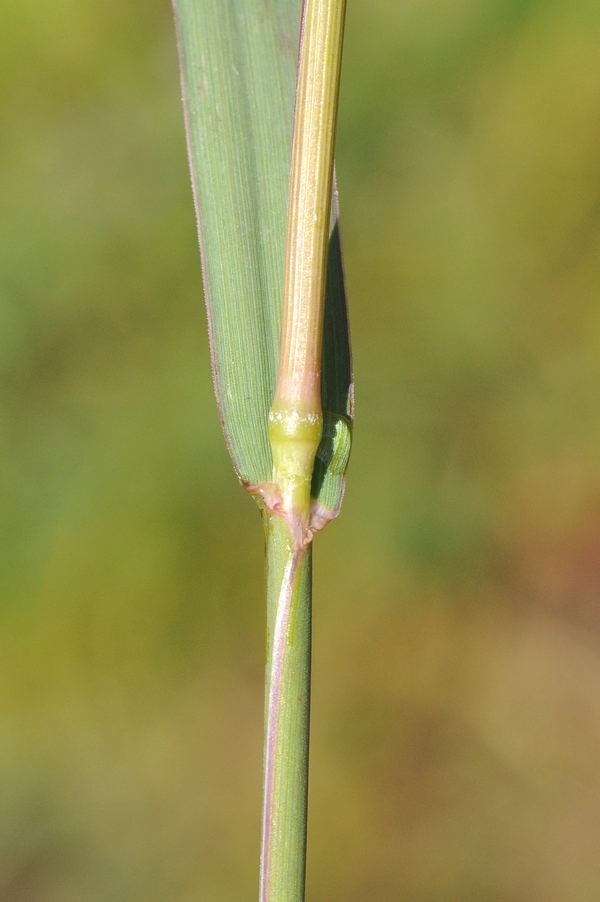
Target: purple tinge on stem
280,634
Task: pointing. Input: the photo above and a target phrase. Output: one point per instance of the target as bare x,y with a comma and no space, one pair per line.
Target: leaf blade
238,65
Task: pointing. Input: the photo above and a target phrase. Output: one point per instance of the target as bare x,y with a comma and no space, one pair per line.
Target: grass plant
455,638
278,330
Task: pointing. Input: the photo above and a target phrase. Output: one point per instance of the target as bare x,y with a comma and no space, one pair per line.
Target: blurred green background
456,713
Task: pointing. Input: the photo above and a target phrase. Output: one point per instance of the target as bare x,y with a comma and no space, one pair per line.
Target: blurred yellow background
456,707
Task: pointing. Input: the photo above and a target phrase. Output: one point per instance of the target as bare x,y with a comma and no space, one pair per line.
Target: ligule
295,435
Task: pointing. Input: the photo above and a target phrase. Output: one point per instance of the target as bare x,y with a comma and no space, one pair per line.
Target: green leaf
238,64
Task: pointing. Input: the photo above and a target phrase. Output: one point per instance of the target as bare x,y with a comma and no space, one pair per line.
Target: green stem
289,589
296,419
295,426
